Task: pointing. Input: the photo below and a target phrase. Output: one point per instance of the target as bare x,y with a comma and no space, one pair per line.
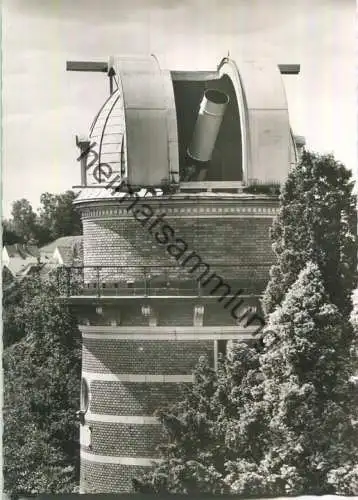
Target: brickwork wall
179,314
125,440
107,478
143,356
243,242
236,241
216,315
131,398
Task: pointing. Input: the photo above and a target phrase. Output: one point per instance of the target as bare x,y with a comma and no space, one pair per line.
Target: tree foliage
270,423
56,217
23,220
9,236
205,429
192,456
281,418
41,395
316,222
12,302
309,399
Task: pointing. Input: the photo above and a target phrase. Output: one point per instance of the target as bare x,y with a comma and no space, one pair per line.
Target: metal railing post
142,281
145,282
97,281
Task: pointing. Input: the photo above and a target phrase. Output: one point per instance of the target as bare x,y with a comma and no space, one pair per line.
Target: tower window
84,395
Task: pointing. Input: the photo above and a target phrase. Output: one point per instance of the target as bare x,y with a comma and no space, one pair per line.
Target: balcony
161,281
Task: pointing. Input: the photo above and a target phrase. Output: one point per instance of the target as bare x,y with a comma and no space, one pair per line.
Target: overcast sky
44,106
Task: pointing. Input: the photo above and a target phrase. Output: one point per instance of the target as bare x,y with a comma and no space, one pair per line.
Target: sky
44,107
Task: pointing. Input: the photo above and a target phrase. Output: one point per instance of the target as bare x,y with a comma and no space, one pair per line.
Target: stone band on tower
176,257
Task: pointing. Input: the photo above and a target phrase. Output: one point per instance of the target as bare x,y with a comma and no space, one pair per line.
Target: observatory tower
177,195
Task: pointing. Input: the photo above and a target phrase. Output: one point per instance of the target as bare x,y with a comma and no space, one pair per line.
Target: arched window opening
84,395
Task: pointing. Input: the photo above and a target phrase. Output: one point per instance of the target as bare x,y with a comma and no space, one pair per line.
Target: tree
191,457
282,415
310,403
13,327
246,419
9,235
41,396
272,422
24,220
58,216
316,222
205,430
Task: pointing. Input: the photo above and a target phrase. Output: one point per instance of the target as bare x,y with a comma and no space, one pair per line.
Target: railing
155,280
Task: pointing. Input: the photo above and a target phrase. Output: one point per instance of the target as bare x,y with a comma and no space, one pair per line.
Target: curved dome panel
151,131
108,134
265,121
135,132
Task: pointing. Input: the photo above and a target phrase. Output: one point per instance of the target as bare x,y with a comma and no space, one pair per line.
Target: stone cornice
168,333
182,206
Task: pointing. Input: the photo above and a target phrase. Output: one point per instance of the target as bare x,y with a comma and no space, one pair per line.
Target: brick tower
176,208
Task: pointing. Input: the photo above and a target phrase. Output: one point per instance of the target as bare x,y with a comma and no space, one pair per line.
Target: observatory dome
159,126
107,133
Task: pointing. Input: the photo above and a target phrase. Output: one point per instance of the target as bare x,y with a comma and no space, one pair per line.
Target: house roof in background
22,251
64,241
19,266
23,259
67,254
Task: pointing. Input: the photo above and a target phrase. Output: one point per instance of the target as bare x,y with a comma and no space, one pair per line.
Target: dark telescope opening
226,159
216,97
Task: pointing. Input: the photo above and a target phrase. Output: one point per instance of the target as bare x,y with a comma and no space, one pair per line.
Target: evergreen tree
309,398
316,222
41,395
282,415
270,423
191,457
206,428
245,422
